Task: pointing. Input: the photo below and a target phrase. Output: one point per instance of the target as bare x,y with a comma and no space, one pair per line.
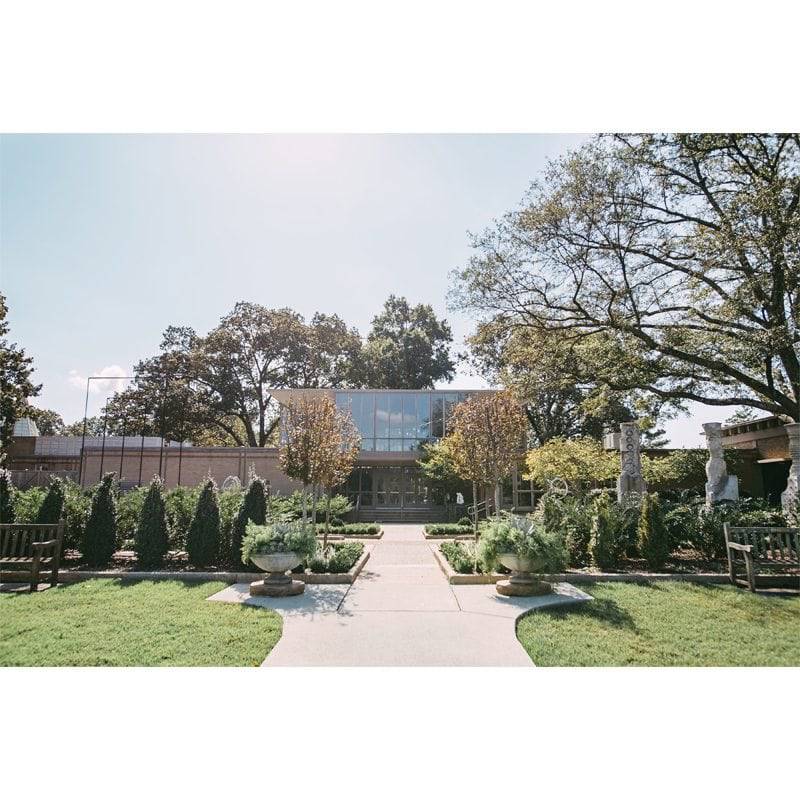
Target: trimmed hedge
152,532
100,535
447,529
340,557
203,541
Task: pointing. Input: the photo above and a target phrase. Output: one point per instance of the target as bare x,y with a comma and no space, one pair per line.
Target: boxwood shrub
447,529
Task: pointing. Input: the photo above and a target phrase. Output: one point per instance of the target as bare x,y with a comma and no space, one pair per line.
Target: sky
108,239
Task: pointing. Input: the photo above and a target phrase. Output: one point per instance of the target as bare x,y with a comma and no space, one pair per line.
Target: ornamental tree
253,509
6,497
487,440
152,532
52,506
202,542
100,534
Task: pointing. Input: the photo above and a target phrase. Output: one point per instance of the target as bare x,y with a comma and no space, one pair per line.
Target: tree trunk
497,498
475,509
314,506
304,501
327,519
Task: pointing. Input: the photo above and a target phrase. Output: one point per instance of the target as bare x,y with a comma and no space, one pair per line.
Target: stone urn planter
523,581
277,583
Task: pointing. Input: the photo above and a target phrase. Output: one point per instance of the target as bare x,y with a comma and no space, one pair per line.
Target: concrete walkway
401,611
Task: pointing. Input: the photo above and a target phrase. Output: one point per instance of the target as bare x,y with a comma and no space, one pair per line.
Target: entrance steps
397,514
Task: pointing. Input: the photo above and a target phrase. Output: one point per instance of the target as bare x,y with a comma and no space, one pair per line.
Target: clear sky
107,240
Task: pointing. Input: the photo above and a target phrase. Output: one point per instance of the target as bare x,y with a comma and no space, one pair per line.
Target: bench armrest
43,545
743,548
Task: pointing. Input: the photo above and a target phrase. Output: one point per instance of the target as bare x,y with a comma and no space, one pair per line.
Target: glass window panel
410,420
368,444
366,417
382,445
396,414
381,414
395,445
437,416
423,415
450,402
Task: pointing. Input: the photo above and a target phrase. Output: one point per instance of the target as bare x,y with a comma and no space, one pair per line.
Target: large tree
676,258
218,388
407,347
15,381
554,380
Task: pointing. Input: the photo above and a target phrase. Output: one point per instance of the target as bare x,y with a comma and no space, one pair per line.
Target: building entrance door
399,487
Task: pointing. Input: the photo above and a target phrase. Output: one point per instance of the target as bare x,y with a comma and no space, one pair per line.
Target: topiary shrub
6,497
181,503
100,534
52,507
610,534
152,533
202,541
465,521
252,509
653,538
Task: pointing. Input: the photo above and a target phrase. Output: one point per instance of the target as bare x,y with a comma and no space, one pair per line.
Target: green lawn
121,624
666,623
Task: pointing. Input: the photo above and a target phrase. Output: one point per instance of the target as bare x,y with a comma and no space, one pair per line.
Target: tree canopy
16,385
407,347
674,258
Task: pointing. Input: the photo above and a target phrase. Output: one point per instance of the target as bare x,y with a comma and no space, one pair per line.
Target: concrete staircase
396,514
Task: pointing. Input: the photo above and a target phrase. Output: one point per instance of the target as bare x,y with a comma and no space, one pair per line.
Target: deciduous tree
675,257
487,440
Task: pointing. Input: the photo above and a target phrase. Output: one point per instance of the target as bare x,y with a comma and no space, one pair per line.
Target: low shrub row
338,557
447,529
463,557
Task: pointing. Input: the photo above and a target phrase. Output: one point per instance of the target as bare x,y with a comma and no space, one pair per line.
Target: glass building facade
393,422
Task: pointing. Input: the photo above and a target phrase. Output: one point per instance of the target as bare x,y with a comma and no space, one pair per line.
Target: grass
666,624
143,623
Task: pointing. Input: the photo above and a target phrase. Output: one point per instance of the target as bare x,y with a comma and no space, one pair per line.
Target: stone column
720,485
789,498
630,481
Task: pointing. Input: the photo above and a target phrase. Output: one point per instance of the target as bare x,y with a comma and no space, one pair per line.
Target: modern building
386,483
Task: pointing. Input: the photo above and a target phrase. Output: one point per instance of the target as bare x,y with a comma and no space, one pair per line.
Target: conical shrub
151,540
100,534
52,507
653,542
203,539
6,497
252,509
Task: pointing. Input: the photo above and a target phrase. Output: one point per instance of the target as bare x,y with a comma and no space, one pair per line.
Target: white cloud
111,380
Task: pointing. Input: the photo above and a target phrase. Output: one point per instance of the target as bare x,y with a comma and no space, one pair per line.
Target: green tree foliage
652,533
612,526
438,468
218,388
555,380
152,533
52,508
581,462
7,515
15,381
48,422
674,258
203,541
100,535
407,347
252,509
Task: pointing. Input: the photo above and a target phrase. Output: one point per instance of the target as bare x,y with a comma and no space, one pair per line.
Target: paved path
401,611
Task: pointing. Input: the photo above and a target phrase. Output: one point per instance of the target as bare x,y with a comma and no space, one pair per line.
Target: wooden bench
773,548
27,549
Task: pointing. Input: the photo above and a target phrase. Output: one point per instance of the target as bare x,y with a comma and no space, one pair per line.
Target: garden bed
177,567
587,575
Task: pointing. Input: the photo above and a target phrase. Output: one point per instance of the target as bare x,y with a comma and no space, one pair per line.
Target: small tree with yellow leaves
487,441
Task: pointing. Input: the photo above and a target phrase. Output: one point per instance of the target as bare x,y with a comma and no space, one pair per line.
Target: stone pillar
630,481
720,485
789,498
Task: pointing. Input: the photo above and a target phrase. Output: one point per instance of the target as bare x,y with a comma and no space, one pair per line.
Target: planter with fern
523,546
278,548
